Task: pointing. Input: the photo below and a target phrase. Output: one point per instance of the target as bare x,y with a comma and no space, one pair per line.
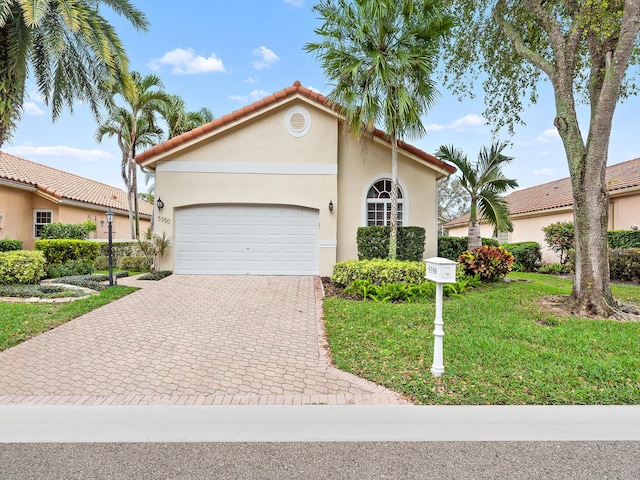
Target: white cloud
251,80
548,135
258,94
36,96
239,98
294,3
314,89
253,95
186,62
30,108
267,58
544,172
461,124
61,152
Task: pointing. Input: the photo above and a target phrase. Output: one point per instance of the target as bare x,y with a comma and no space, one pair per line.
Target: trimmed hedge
69,268
121,249
9,245
373,242
527,255
22,266
136,264
624,264
624,239
60,251
69,231
377,272
452,247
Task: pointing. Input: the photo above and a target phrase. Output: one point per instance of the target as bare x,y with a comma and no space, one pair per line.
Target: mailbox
441,270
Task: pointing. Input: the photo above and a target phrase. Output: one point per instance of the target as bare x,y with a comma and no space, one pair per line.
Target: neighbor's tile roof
295,89
558,193
64,185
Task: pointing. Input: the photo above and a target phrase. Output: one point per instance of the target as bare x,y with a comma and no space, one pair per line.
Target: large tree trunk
393,222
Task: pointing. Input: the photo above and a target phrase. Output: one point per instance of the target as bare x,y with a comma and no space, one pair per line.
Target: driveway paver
190,339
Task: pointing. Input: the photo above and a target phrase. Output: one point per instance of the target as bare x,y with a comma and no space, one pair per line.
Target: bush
8,245
153,247
555,269
69,268
135,264
121,249
624,239
489,263
527,255
22,266
373,242
157,275
69,231
101,262
58,252
452,247
377,272
624,264
560,238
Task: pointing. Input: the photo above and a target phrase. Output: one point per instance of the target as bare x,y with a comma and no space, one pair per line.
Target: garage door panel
233,239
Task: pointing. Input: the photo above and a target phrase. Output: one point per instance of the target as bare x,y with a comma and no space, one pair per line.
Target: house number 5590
164,219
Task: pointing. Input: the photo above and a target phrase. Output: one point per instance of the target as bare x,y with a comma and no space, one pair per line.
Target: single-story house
533,208
279,187
32,195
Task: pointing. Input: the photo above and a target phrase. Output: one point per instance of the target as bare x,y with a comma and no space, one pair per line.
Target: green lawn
21,321
500,347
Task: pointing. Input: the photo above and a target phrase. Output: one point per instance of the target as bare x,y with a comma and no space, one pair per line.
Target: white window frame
35,219
404,200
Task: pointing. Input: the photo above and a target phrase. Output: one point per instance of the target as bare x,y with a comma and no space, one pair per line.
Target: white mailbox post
441,271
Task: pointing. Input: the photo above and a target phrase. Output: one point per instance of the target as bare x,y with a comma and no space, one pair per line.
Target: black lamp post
110,222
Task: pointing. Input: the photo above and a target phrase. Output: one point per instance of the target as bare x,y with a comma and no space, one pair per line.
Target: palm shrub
489,263
153,247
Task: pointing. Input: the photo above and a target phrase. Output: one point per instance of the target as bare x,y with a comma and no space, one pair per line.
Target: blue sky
224,55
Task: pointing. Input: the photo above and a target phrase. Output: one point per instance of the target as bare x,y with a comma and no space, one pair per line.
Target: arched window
379,203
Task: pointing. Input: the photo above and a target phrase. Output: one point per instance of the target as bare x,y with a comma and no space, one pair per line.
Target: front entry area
246,240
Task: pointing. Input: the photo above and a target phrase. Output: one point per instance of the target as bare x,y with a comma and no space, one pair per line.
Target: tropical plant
68,46
153,247
584,49
560,238
485,183
135,126
380,55
179,120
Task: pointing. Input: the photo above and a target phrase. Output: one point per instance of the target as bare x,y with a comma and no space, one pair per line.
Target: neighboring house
32,195
280,188
533,208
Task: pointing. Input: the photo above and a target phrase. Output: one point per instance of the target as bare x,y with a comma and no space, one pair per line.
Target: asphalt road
310,461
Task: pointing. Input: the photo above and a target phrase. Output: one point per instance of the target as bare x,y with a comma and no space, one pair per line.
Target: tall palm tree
68,46
179,120
380,55
485,183
134,125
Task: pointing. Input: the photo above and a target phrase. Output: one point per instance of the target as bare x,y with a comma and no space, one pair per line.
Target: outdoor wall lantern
331,205
109,215
441,271
160,204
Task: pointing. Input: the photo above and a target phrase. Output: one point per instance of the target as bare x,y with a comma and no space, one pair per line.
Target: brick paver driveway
190,340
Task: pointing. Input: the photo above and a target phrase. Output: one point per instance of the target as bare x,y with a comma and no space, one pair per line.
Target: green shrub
624,264
8,245
69,231
135,264
60,251
22,266
373,242
624,239
527,255
69,268
121,249
377,272
157,275
452,247
153,247
555,269
101,262
489,263
560,238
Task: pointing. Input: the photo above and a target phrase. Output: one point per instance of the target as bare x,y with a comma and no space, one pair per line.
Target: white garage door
242,239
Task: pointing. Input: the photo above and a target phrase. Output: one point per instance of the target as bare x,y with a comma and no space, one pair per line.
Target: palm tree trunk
393,221
475,237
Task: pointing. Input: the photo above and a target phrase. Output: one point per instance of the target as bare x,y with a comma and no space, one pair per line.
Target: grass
500,347
21,321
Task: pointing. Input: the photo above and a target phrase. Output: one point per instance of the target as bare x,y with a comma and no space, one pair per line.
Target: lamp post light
110,222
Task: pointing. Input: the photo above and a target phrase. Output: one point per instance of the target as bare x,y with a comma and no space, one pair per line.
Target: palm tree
135,126
69,48
380,56
485,183
179,120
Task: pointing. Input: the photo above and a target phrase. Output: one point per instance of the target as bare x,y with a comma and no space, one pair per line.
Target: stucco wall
624,213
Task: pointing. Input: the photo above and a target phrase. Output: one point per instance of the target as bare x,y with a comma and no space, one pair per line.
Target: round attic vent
298,121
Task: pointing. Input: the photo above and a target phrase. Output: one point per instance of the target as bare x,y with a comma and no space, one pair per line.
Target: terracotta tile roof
64,185
295,89
557,194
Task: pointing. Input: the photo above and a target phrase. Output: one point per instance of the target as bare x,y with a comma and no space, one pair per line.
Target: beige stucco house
536,207
279,188
32,195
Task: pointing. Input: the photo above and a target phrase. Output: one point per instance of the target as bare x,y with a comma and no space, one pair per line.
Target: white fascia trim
363,198
20,186
328,243
250,167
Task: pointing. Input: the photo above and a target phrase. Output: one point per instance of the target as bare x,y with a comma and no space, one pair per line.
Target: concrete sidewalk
316,423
